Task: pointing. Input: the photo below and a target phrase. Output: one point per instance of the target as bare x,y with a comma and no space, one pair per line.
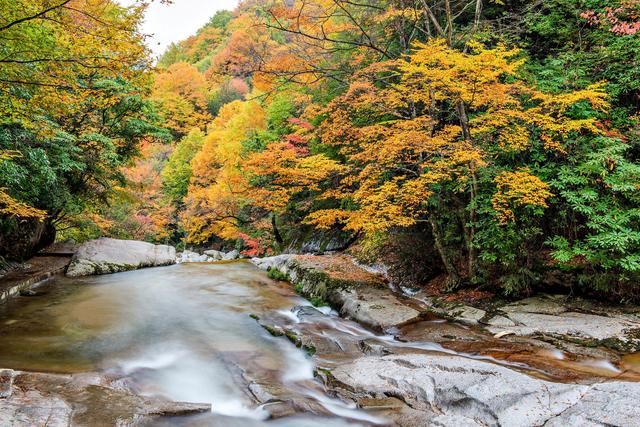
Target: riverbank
568,340
437,364
407,358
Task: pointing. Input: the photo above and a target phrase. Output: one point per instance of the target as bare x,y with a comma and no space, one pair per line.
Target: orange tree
442,137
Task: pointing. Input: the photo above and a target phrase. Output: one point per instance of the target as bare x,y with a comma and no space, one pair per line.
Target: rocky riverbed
555,365
375,355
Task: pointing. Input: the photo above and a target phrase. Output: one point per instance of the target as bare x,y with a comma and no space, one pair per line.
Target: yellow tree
218,189
56,56
428,139
180,92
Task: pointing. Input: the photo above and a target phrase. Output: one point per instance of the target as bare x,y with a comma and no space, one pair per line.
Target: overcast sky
172,23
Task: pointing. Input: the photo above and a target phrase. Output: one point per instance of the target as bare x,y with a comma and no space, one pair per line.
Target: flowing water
188,333
182,332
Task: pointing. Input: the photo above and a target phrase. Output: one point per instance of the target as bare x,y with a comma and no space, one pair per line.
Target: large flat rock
550,316
456,391
105,255
357,293
36,399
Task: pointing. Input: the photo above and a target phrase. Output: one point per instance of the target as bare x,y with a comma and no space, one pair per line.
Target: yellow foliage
518,189
180,91
219,187
12,207
401,151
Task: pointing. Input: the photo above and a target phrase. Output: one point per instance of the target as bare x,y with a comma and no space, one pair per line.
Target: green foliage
276,274
224,95
221,19
601,209
177,170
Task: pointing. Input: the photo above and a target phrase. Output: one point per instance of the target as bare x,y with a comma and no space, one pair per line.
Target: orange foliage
181,90
219,188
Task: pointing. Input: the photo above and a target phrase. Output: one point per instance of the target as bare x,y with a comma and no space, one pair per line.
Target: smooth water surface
182,332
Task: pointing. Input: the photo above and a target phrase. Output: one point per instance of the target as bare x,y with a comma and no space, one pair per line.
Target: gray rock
455,391
469,315
6,383
64,400
105,255
548,316
285,263
501,322
367,303
216,255
376,307
541,305
606,404
234,254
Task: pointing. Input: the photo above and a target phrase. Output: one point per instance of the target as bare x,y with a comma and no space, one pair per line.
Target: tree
73,77
432,145
176,173
180,93
219,190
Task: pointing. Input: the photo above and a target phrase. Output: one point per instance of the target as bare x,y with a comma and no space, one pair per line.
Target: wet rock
454,391
374,307
6,382
548,316
63,400
105,255
374,347
355,292
310,332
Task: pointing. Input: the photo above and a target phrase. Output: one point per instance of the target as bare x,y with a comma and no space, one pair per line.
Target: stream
182,332
188,333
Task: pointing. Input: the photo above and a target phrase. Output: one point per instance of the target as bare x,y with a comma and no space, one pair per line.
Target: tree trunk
470,228
449,265
476,20
276,232
447,8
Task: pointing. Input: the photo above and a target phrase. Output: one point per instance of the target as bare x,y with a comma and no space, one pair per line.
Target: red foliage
252,244
623,20
301,123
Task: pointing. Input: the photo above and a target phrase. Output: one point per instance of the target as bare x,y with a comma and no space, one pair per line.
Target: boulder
455,391
105,255
216,255
234,254
378,308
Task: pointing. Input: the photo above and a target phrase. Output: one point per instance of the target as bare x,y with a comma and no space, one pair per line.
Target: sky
175,22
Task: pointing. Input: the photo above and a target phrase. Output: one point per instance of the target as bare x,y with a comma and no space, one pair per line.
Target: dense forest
489,144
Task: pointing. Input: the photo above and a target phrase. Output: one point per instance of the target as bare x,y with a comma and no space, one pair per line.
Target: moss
310,349
276,274
609,343
291,336
254,316
274,331
318,302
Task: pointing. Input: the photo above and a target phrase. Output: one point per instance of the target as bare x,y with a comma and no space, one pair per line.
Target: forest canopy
501,139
